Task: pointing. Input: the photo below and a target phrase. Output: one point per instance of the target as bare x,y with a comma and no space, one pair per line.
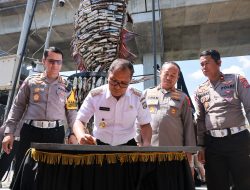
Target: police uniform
114,119
222,129
172,123
43,106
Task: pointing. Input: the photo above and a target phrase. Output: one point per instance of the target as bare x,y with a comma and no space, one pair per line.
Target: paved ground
6,183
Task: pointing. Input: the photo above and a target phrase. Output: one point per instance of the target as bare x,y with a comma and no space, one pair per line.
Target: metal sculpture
99,38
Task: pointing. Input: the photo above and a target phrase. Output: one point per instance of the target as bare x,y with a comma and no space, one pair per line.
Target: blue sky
193,75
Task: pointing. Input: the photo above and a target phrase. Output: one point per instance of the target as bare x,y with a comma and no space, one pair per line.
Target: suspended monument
99,38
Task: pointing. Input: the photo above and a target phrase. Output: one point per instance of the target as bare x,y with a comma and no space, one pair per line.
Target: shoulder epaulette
203,86
62,80
96,91
181,92
35,78
152,87
136,92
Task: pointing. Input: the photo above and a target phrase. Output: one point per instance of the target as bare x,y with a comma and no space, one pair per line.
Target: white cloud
197,75
234,69
244,61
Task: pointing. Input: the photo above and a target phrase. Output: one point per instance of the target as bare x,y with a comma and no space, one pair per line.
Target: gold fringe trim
112,158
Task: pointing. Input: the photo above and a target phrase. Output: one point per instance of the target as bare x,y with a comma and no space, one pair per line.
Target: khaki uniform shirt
172,121
40,99
219,106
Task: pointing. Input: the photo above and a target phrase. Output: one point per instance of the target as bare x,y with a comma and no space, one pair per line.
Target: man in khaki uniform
43,104
172,122
222,125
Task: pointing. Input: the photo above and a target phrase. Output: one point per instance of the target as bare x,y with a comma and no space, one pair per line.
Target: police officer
172,121
222,125
44,96
115,107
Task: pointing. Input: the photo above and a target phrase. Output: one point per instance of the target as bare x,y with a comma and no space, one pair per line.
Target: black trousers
131,142
228,156
30,134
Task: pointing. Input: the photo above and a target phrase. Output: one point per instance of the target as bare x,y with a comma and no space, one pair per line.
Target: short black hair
52,49
121,64
172,63
213,53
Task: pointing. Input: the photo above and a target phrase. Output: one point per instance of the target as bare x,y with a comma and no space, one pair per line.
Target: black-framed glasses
115,83
53,61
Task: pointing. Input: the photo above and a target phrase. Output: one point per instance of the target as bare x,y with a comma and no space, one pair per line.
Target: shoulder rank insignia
227,82
203,87
244,82
96,92
62,80
136,92
35,79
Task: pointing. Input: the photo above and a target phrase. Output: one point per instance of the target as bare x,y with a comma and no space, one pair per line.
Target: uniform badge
36,90
36,97
71,103
152,100
102,124
173,111
152,109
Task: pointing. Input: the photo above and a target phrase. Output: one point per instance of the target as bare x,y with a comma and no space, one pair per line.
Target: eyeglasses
115,83
53,61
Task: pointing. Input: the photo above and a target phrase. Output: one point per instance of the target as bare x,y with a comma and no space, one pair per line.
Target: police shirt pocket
129,117
104,118
228,96
173,111
36,94
172,103
62,95
153,107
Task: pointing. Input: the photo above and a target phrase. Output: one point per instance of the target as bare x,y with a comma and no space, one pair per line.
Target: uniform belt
226,132
44,124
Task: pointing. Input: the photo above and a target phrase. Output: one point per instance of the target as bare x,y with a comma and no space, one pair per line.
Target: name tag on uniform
104,108
152,101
